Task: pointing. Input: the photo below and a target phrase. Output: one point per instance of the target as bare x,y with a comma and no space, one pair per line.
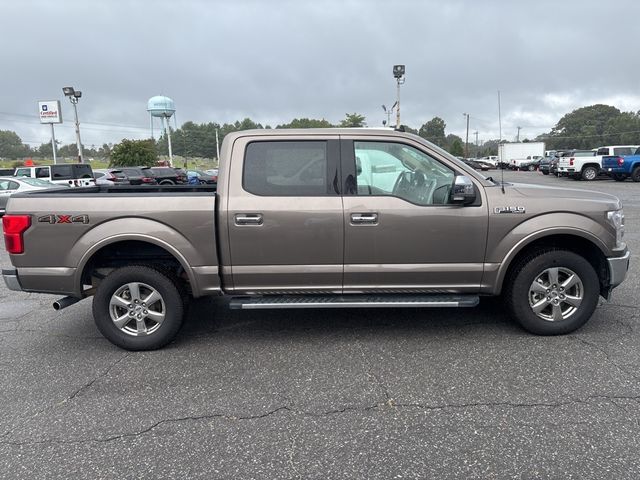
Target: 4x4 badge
84,219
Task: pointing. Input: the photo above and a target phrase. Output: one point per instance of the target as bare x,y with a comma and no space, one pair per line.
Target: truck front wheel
552,292
635,175
138,308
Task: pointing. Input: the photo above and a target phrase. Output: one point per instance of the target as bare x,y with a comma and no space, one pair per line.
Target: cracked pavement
440,393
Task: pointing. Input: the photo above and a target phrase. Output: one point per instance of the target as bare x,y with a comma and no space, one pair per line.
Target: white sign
50,112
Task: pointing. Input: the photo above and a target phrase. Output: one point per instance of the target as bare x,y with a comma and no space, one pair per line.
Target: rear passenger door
284,215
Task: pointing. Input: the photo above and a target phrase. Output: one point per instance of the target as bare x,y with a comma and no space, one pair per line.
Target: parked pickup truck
587,164
319,218
622,167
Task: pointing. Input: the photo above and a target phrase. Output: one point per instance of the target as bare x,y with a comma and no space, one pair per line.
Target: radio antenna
500,150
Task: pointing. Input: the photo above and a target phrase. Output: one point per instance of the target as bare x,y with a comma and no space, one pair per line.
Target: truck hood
554,194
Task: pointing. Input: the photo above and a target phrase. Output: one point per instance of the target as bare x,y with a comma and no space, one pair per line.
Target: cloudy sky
274,60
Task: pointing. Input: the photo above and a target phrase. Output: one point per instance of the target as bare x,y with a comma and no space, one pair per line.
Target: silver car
11,185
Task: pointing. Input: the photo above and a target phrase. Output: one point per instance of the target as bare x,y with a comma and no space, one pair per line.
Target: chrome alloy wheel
137,309
556,294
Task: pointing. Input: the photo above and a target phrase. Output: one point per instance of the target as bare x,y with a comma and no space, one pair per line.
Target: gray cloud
272,61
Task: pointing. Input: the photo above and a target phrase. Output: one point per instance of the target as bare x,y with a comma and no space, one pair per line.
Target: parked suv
110,176
166,175
72,174
138,176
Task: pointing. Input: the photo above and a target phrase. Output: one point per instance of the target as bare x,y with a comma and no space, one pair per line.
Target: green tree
69,150
133,153
353,120
623,129
11,145
433,131
583,128
451,143
307,123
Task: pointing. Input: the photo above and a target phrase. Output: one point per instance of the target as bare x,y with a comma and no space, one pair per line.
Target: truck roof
318,131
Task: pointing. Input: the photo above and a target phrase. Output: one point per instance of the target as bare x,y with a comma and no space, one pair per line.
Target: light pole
398,74
74,96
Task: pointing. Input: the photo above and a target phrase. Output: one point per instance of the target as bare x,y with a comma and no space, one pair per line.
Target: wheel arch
576,241
131,248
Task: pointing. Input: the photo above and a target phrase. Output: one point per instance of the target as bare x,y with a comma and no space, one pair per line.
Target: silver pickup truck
319,219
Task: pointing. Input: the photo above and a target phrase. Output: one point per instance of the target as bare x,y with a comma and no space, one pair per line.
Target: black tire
531,168
545,172
635,175
520,287
589,173
167,182
170,304
619,177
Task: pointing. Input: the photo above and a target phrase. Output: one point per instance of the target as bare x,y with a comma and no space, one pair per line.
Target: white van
71,174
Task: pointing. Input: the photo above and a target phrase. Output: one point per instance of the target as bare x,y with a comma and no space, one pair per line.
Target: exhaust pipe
65,302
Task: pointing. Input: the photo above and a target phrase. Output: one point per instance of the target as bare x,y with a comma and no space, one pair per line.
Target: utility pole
518,137
466,145
477,146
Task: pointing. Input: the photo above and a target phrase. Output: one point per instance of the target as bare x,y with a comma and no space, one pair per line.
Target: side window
42,172
13,185
281,168
603,151
623,151
62,172
402,171
4,185
23,172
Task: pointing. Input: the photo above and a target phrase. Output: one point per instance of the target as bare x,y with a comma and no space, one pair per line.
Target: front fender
501,253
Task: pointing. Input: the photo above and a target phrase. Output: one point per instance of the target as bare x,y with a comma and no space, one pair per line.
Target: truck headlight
616,218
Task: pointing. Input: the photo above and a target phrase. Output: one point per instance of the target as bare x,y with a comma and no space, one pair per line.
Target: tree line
584,128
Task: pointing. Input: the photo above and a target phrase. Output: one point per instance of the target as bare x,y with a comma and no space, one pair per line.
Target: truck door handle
248,219
364,218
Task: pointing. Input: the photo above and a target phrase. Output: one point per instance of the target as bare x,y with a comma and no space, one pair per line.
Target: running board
352,301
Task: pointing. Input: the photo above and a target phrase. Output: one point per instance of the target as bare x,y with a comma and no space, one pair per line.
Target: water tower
162,107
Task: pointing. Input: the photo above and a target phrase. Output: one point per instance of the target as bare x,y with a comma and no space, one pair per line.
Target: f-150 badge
509,210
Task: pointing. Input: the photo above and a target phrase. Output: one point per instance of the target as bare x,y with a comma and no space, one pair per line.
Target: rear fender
129,229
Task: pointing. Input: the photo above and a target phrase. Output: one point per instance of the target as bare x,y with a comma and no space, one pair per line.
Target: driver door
401,232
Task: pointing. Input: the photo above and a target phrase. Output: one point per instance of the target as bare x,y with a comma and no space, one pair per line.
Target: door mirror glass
463,192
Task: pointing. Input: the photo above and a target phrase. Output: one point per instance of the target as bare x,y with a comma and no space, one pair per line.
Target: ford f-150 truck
318,219
622,167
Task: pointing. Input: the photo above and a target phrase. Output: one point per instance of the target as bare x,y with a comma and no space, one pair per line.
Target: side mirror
463,192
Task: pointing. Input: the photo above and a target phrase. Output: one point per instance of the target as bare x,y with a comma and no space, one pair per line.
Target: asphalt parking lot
326,394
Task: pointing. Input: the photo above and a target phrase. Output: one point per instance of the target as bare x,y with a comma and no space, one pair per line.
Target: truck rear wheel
619,177
589,173
138,308
635,175
552,292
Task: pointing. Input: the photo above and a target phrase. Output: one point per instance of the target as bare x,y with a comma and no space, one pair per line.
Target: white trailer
516,151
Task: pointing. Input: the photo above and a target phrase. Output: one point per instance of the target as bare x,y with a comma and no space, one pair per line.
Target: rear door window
283,168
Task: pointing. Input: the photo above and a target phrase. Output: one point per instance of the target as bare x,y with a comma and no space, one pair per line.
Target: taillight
13,227
147,180
620,161
571,162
